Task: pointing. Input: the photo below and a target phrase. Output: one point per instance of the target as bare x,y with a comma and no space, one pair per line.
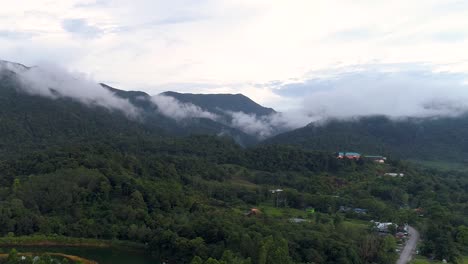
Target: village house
356,210
297,220
384,227
377,159
394,174
348,155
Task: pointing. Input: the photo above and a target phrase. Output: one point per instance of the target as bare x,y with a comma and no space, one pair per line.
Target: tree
196,260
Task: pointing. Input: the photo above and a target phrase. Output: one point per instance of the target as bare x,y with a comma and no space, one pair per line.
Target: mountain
116,168
222,103
30,120
442,138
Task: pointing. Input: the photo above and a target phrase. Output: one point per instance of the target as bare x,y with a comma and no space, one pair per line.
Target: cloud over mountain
390,89
52,81
173,108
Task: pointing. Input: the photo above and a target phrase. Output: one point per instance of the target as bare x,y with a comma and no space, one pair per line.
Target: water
101,255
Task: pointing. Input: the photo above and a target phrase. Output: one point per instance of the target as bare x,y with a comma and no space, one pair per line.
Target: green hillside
70,170
418,139
219,103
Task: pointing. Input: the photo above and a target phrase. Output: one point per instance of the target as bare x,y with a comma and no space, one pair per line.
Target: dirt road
410,247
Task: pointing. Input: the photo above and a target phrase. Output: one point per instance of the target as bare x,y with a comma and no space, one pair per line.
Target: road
410,247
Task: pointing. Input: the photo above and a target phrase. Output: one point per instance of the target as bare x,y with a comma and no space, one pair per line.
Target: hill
442,138
114,167
30,120
221,103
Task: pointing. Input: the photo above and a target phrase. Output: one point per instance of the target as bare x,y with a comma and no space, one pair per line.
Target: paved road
410,247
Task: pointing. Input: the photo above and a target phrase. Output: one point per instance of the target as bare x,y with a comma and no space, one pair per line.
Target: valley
191,187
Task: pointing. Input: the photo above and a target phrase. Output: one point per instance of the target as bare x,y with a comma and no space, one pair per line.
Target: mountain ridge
442,138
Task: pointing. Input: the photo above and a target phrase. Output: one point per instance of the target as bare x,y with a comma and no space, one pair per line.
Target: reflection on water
101,255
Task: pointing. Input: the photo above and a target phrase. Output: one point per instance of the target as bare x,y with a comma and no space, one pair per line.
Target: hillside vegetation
420,139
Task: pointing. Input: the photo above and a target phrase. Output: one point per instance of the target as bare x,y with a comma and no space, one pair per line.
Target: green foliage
70,172
431,139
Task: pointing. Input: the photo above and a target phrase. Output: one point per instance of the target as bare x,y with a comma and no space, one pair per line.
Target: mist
52,81
415,91
173,108
396,91
265,126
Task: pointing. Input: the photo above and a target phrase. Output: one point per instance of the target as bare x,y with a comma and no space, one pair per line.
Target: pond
101,255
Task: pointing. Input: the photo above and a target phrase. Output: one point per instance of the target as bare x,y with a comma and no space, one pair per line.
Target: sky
334,57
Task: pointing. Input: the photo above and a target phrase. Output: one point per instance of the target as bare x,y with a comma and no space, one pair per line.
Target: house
383,227
297,220
419,211
276,191
377,159
360,211
348,155
253,212
356,210
394,174
400,235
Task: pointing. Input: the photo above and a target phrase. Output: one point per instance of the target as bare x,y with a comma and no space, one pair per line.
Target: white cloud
173,108
266,126
150,43
393,90
54,82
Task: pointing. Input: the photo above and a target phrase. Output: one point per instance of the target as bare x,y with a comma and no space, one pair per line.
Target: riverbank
66,256
42,240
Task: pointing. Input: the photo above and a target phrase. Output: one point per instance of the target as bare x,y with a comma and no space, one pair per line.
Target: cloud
16,35
390,89
52,81
173,108
352,34
81,27
269,125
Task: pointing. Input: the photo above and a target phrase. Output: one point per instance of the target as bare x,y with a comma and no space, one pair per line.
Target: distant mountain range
32,119
220,103
53,115
442,138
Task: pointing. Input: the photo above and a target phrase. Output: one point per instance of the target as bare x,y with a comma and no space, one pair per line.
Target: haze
308,59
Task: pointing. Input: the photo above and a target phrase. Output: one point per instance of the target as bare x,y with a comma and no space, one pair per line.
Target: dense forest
187,200
69,170
437,138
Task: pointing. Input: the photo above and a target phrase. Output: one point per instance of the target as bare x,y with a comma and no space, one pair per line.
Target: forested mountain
220,103
80,170
442,138
29,120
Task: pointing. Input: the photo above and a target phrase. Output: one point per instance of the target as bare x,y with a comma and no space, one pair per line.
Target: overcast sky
276,52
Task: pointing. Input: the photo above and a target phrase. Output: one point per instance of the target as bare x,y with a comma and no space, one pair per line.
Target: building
349,209
384,227
378,159
297,220
348,155
394,174
253,212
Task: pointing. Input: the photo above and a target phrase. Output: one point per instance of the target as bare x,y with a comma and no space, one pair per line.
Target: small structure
254,212
400,235
348,155
377,159
360,211
419,211
384,227
355,210
297,220
276,191
394,174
